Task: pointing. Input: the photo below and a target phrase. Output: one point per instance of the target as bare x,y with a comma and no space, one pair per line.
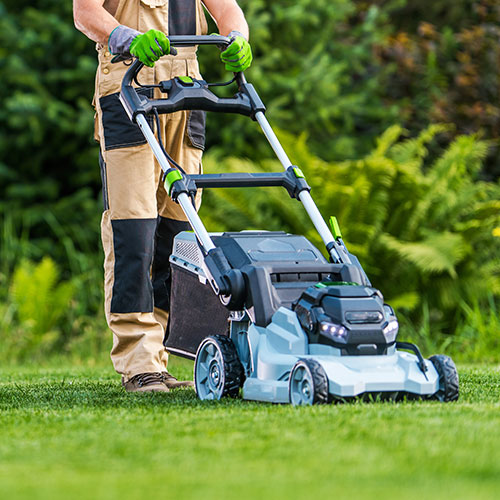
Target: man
139,219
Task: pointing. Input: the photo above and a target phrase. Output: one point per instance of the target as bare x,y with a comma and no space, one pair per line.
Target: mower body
265,311
299,307
273,351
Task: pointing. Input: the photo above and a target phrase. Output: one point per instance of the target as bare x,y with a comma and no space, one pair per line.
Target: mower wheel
308,384
217,369
448,378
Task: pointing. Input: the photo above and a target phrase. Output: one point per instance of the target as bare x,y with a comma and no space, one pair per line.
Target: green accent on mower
325,284
298,173
334,224
186,79
170,178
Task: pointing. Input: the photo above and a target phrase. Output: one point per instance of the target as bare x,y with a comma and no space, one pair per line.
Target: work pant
139,223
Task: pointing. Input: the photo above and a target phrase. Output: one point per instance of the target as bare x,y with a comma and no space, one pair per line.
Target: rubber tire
232,369
317,376
448,378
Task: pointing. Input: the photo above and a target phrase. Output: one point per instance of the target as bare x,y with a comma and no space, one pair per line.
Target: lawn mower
263,313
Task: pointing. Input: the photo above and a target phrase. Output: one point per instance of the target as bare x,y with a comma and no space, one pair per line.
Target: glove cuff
120,39
235,33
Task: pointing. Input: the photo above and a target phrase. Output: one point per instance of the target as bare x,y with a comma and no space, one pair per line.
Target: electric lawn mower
265,311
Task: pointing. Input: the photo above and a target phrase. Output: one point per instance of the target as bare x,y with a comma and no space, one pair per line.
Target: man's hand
150,46
147,47
238,56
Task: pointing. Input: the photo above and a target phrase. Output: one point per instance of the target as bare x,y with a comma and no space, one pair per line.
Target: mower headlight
332,330
391,328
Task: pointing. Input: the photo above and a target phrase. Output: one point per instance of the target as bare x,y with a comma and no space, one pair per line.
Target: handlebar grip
190,40
120,57
186,41
246,102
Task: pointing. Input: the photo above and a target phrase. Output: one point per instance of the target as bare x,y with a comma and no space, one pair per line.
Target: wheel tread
320,380
448,378
233,369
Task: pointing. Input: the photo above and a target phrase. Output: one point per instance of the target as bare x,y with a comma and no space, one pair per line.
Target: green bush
423,230
446,57
36,304
40,316
49,178
315,69
338,72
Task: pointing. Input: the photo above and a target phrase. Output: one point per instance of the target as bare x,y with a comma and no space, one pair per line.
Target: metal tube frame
305,197
183,199
337,251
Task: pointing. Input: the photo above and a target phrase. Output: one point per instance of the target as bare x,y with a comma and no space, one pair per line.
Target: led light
391,327
332,330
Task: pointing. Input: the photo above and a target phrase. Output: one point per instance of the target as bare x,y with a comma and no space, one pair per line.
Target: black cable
221,84
169,158
139,84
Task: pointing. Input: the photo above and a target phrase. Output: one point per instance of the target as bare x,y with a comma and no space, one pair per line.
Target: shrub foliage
334,74
425,231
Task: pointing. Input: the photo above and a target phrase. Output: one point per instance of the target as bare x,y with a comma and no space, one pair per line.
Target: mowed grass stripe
75,433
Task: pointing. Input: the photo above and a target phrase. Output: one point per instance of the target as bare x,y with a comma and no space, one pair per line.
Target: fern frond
40,301
436,254
387,140
414,150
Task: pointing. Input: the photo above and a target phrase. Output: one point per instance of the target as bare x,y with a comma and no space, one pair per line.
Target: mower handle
194,94
188,41
189,94
191,40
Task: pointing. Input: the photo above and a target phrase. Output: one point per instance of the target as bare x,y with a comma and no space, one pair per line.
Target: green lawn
73,433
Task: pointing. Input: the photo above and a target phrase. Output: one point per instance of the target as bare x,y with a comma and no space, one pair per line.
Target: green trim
109,48
325,284
172,176
185,79
298,173
334,224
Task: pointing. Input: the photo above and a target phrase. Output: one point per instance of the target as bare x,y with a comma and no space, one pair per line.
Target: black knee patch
133,241
166,230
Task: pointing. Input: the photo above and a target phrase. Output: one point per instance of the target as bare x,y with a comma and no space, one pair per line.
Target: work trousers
139,219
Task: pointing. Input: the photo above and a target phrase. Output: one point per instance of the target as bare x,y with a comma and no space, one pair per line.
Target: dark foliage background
336,73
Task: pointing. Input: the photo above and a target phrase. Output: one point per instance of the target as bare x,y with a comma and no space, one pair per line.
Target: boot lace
143,379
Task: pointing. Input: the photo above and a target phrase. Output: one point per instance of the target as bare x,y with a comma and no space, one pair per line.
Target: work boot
146,382
172,383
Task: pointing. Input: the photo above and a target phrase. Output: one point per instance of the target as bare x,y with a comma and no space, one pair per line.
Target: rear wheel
448,378
308,383
217,369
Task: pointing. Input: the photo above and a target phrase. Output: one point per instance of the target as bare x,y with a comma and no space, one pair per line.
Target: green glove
238,56
150,46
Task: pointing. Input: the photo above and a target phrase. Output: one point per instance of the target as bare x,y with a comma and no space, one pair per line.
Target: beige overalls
139,219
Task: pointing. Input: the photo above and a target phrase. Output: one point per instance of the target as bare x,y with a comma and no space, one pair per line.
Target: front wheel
308,383
217,369
448,378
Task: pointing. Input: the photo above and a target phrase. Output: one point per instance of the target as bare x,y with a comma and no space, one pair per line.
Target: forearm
228,16
93,20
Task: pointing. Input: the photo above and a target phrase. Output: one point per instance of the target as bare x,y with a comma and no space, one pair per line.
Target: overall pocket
119,131
153,14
